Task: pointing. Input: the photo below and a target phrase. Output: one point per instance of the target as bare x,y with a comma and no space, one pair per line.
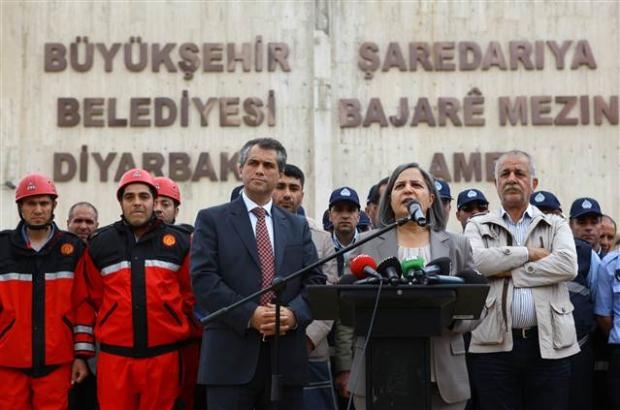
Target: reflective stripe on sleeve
162,264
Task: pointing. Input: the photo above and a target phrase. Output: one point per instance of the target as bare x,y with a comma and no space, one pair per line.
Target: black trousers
521,379
613,377
83,396
582,378
257,393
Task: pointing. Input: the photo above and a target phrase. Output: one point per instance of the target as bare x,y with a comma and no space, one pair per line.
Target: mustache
512,187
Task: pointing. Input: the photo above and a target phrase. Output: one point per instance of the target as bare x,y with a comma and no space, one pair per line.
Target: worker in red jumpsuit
137,270
166,208
46,324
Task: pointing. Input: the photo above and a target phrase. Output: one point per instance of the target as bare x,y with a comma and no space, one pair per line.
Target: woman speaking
450,383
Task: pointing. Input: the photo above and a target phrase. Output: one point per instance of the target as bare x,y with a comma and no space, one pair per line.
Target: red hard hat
167,187
35,184
135,175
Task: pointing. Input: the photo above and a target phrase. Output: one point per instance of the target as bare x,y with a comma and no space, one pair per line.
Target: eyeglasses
473,207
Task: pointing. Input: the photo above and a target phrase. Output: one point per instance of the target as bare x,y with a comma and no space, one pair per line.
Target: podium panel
398,374
401,313
397,357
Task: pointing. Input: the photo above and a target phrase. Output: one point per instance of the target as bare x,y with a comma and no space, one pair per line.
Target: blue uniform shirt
595,265
607,301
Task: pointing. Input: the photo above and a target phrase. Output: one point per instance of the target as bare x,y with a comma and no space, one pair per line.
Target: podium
398,354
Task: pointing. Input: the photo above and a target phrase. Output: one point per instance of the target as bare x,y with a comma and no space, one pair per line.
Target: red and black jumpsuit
142,293
45,320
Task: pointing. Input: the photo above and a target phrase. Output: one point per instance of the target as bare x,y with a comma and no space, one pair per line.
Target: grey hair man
520,349
83,219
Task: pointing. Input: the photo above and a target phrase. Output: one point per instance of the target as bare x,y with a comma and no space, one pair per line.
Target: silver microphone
415,213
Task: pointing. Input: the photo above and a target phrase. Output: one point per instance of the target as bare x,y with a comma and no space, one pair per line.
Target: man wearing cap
582,290
138,280
344,215
521,347
319,392
585,220
45,322
166,208
470,202
445,195
585,217
546,202
168,199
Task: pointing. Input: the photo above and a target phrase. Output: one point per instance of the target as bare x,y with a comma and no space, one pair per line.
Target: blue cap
470,195
585,206
443,189
344,194
545,200
327,224
364,220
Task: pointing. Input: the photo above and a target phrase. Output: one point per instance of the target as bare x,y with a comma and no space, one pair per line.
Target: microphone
412,268
439,266
473,278
348,279
444,280
390,268
437,272
415,212
363,266
468,276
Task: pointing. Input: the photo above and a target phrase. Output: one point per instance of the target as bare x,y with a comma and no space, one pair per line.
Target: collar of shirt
518,229
527,214
27,240
249,204
337,243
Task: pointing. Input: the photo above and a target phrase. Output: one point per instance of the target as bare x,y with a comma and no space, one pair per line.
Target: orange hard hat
167,187
135,175
35,184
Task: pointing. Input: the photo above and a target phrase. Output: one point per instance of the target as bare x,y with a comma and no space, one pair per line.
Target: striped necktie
265,254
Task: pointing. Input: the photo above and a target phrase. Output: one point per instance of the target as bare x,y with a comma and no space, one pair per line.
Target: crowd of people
122,316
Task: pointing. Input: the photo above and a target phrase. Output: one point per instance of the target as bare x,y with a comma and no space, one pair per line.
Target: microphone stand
278,285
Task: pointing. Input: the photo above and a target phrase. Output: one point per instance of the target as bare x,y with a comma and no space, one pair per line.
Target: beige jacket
548,277
317,330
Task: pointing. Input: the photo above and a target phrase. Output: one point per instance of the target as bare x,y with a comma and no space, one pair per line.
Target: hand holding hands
264,320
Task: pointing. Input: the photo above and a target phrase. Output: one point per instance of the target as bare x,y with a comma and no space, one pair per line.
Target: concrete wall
324,40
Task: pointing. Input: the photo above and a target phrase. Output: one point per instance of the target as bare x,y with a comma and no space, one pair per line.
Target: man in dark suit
229,261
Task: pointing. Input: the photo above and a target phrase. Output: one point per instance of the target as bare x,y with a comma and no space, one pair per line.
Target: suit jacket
225,267
447,352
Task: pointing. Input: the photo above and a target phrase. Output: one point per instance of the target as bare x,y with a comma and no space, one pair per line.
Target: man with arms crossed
522,345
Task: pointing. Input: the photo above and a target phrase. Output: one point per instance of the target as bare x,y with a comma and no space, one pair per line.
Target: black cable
370,326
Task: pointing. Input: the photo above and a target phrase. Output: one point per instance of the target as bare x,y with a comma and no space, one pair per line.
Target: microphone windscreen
473,278
442,263
358,264
391,262
412,264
